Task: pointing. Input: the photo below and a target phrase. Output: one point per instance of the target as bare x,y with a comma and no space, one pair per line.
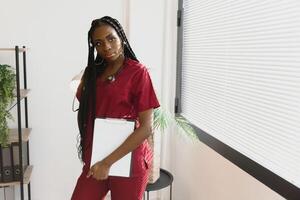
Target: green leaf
163,119
7,88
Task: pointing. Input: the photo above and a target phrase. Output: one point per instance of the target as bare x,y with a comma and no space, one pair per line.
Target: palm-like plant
162,119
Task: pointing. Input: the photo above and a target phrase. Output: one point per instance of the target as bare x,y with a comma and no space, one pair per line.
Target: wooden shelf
14,136
26,178
23,94
13,49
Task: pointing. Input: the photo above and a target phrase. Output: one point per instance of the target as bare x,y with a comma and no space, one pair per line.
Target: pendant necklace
112,78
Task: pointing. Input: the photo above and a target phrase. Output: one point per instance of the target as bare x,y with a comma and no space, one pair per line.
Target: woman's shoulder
135,65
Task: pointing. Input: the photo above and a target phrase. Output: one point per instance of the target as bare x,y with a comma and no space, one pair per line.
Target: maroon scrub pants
121,188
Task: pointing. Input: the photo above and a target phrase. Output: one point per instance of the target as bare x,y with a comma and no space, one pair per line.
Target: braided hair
95,67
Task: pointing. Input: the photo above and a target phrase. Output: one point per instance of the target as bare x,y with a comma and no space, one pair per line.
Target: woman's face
107,43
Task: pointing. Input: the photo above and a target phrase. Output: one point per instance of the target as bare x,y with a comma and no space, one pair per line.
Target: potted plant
7,87
162,120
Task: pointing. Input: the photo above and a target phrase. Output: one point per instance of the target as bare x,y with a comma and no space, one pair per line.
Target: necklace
111,78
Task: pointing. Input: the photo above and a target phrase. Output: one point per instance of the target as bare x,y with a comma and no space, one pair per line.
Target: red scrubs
131,92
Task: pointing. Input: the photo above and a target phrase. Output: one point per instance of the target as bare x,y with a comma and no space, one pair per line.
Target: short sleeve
145,97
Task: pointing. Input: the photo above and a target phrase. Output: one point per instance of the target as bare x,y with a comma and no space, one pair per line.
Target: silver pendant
111,78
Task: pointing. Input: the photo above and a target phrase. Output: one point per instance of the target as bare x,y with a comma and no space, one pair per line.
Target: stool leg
171,191
147,195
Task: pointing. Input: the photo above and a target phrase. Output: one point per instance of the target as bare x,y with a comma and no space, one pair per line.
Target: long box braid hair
95,67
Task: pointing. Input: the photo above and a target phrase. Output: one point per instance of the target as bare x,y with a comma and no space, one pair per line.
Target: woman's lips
109,55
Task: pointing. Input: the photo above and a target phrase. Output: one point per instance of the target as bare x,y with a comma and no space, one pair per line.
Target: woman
114,85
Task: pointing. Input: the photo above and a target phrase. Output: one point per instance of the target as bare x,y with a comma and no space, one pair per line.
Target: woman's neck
113,68
116,64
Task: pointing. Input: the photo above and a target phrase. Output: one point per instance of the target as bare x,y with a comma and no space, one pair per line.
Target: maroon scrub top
131,92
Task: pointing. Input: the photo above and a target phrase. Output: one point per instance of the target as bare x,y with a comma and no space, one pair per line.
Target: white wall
146,35
56,34
201,173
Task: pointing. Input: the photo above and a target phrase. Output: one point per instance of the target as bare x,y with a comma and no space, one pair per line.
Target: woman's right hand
99,171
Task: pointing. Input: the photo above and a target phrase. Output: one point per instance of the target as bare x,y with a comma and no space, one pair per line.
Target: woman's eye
98,44
111,39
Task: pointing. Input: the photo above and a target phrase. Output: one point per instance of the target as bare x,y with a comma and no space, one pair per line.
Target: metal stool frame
165,180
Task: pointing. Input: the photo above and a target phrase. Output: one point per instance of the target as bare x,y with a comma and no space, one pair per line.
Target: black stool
165,179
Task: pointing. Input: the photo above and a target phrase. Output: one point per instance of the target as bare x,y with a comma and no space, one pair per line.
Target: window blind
241,78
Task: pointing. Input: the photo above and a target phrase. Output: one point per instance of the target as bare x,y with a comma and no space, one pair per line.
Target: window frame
262,174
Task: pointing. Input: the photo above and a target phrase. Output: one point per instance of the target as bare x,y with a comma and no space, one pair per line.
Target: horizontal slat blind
241,78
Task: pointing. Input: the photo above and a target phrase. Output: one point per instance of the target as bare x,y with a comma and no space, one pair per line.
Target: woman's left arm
100,170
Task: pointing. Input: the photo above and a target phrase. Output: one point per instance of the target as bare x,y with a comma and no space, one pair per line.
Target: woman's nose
106,46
